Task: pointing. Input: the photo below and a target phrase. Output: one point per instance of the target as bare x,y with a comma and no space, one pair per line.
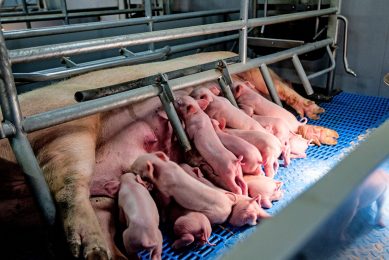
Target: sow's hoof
318,134
305,107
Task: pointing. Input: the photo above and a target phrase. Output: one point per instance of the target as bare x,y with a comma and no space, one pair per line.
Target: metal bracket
167,98
68,62
225,82
6,129
126,53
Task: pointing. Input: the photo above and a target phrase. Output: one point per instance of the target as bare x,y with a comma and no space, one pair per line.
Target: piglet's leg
184,240
67,161
105,212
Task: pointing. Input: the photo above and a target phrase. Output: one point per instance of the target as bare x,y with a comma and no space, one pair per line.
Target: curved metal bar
331,68
345,45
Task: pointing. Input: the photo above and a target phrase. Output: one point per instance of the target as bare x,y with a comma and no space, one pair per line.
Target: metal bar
76,111
302,75
64,8
34,18
117,61
270,85
317,18
321,204
17,34
244,9
253,8
264,15
332,66
345,46
166,97
149,15
225,82
332,32
272,42
79,47
25,11
6,128
19,142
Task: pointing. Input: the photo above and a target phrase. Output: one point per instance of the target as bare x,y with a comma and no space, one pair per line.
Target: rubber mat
353,117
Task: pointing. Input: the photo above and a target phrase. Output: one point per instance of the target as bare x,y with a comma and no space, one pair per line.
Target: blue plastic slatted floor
351,116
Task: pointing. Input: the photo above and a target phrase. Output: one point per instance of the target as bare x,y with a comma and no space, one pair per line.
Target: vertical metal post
25,10
332,32
64,7
253,8
302,75
317,18
244,7
149,15
270,85
19,142
264,15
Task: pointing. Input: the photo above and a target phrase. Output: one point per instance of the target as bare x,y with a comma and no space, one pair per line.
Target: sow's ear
203,104
162,156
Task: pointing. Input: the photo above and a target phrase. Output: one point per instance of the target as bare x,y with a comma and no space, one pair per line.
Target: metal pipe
227,93
270,85
79,47
64,8
48,17
6,128
17,34
117,61
264,15
317,18
76,111
253,8
244,8
19,142
302,75
345,46
149,15
25,11
331,68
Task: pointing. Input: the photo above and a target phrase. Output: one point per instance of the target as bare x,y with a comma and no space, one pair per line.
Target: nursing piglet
253,103
139,211
219,108
268,145
189,226
246,210
226,167
252,159
172,182
268,188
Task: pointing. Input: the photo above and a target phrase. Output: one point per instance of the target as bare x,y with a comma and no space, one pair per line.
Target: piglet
227,168
251,158
246,210
268,188
268,145
220,107
172,182
189,227
298,146
139,211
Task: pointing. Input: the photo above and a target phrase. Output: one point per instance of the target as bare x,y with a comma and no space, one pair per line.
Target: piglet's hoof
318,134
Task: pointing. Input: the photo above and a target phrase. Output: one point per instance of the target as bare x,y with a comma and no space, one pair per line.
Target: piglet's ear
190,109
249,84
146,184
197,171
215,90
207,97
278,184
238,90
202,103
162,156
149,168
257,199
162,114
222,123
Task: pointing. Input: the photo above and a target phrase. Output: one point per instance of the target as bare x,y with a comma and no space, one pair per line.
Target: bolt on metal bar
167,98
270,85
6,128
19,142
76,111
149,15
244,9
332,66
79,47
17,34
302,75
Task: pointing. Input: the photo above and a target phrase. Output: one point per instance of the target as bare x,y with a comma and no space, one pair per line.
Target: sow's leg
67,158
